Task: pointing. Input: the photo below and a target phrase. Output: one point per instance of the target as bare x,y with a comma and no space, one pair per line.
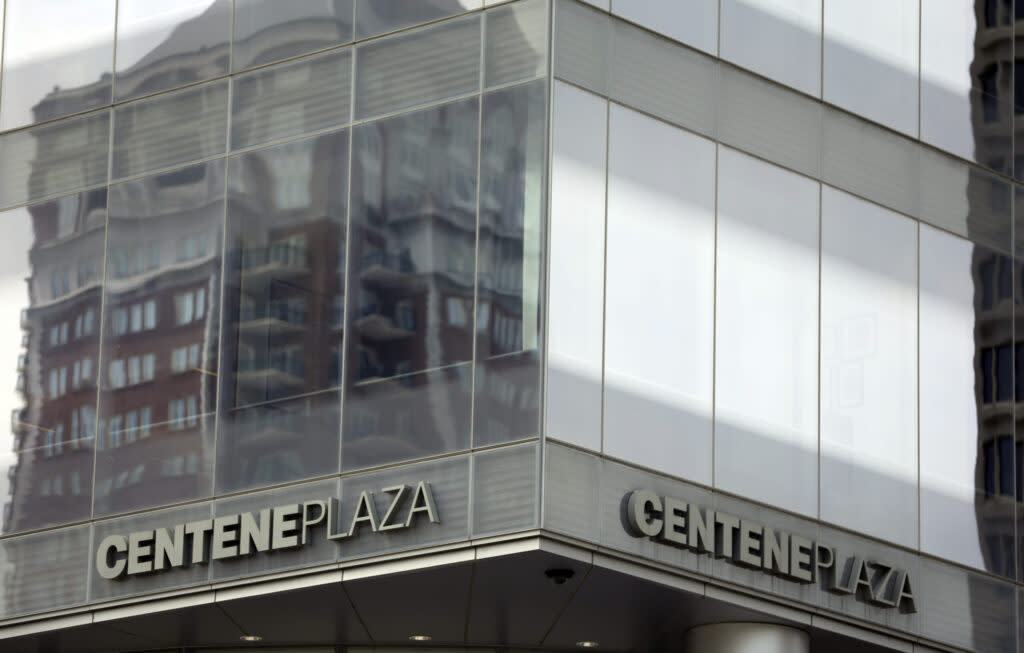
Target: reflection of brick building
53,430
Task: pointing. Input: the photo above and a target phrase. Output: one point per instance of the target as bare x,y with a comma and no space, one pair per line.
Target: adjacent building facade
511,325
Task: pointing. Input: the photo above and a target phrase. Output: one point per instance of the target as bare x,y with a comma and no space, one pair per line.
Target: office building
619,325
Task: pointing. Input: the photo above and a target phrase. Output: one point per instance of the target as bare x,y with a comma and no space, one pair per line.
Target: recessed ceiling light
420,638
250,638
586,644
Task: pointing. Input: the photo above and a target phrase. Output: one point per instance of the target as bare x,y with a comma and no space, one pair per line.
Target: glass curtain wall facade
761,254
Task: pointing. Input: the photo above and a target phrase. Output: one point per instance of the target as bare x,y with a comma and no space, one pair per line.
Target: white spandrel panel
871,60
694,22
660,296
766,376
868,369
780,39
576,298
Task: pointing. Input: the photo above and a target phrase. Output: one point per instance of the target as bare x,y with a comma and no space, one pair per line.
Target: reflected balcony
387,270
276,318
274,371
275,262
258,427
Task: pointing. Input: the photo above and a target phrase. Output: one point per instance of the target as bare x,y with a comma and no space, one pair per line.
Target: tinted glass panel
576,304
185,42
52,266
516,42
661,242
868,368
411,259
58,57
871,60
966,107
418,67
160,341
959,459
170,130
270,30
780,39
291,99
53,159
46,571
766,375
509,275
283,313
373,17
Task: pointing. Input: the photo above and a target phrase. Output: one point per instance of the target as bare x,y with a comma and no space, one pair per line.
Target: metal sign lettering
287,526
750,544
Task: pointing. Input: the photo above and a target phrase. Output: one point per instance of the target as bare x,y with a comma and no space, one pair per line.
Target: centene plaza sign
751,544
271,529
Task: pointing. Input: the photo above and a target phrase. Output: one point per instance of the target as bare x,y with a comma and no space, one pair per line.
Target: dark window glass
1007,453
1019,377
986,271
986,376
988,459
1018,87
1005,278
1004,373
1019,461
990,93
991,12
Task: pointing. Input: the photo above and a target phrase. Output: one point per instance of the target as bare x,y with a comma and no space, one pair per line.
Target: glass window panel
418,67
868,368
46,571
871,60
516,42
959,462
43,407
58,158
413,239
268,30
373,17
407,417
291,99
146,215
576,302
646,74
509,275
661,253
58,57
170,130
780,39
582,54
966,106
186,42
287,208
694,23
766,378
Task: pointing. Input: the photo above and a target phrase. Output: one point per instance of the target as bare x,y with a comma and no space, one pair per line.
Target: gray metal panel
516,42
869,161
45,571
582,54
769,120
505,490
663,78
